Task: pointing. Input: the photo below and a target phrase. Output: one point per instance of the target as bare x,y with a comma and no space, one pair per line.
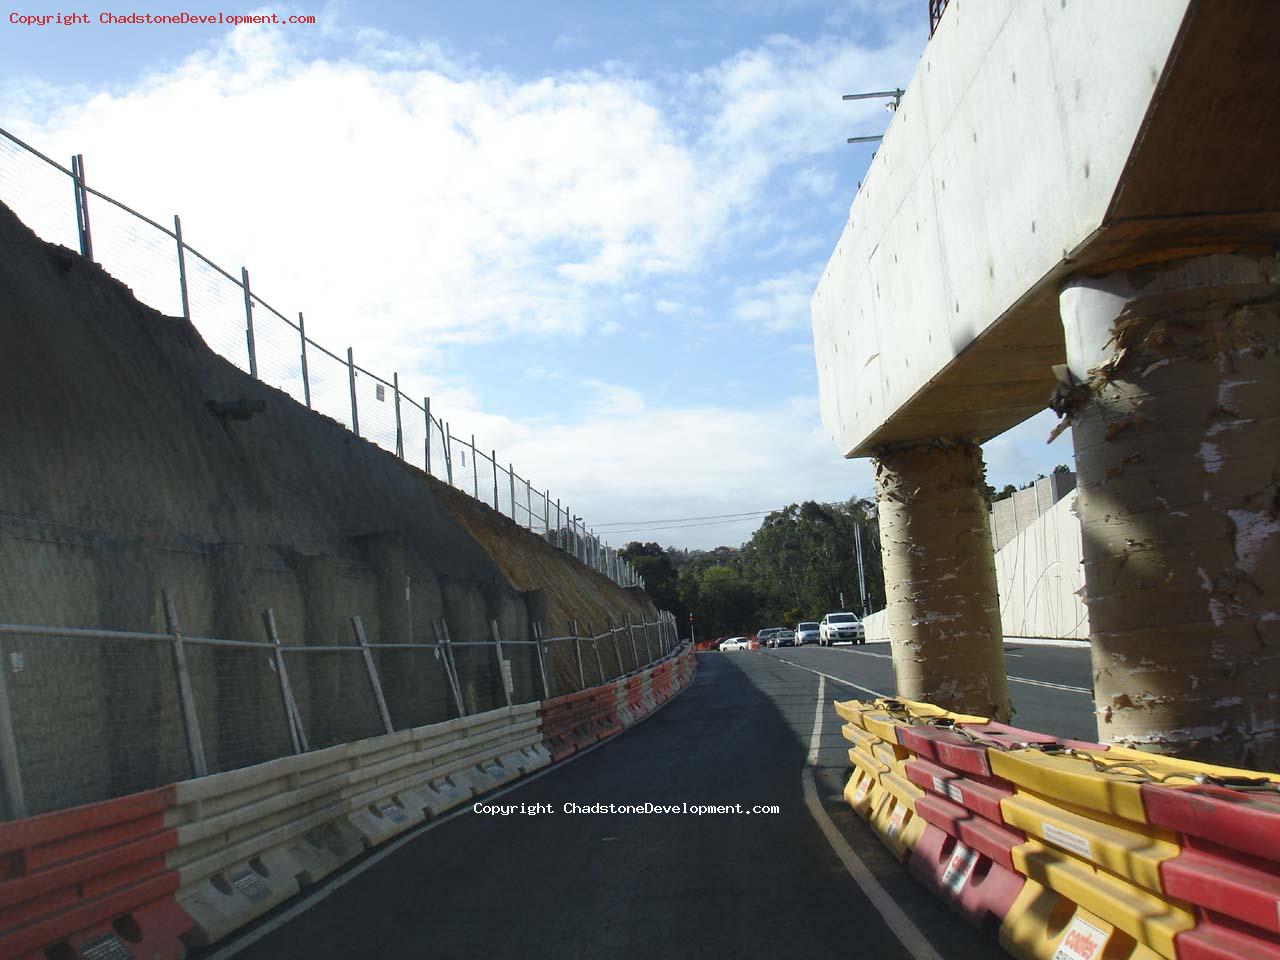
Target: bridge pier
1174,402
940,579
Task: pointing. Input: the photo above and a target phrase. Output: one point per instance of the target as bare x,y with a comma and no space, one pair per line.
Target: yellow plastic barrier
1041,923
857,735
1126,849
897,824
1073,780
1147,918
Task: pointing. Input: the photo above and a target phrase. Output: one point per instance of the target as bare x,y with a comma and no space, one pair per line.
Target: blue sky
590,234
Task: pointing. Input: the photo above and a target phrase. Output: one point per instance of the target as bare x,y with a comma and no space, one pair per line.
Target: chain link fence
225,306
87,715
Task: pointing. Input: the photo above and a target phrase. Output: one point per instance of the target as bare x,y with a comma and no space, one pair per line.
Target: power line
714,516
687,526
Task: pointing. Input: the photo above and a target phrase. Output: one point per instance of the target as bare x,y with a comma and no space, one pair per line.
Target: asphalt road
1051,687
620,884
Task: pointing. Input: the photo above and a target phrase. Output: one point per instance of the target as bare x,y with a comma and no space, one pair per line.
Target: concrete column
1175,412
940,577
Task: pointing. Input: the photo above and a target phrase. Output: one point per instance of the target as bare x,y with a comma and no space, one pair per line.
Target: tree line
798,565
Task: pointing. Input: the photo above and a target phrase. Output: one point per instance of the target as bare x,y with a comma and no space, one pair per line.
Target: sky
589,234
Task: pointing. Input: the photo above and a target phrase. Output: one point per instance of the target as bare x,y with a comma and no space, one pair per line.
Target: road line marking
908,934
1052,686
345,876
882,656
827,676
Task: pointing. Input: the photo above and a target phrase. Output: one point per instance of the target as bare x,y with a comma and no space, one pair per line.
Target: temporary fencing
1071,850
156,872
87,715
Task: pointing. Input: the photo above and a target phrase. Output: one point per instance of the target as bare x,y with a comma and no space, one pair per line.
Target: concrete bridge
1076,205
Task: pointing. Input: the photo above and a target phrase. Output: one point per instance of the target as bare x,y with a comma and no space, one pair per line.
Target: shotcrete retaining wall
134,460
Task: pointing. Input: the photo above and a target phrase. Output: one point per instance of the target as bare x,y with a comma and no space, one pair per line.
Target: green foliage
795,567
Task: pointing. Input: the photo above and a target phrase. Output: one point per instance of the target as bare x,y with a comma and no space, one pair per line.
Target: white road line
827,676
908,934
347,875
1052,686
1034,683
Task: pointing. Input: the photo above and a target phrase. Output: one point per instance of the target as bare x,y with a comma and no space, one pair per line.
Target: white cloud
777,303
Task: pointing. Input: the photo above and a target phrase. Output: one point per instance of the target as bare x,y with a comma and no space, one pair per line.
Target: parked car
806,632
840,627
735,643
768,636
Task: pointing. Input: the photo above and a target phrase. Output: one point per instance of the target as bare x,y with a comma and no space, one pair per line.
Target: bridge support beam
940,578
1174,401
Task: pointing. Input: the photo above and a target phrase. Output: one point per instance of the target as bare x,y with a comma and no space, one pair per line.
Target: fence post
542,661
358,626
511,482
248,323
577,647
82,206
195,743
493,458
644,632
631,635
182,268
448,450
503,671
297,732
475,470
395,386
426,408
306,375
15,796
546,512
528,502
617,647
441,630
557,523
595,645
351,379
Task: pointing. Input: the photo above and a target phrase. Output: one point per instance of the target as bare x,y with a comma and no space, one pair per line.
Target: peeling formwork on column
1173,394
940,578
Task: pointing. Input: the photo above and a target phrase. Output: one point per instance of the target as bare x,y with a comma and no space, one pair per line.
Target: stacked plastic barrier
156,872
1071,850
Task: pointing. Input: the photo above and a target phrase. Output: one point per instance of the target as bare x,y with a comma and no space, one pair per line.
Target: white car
807,632
841,627
734,643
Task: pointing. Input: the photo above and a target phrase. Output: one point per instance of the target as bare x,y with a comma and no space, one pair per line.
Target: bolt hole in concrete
258,867
221,884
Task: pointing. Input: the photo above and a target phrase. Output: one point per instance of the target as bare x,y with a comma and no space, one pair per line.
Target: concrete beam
1037,140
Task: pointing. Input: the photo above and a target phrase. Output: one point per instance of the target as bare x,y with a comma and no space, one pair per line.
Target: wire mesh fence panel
217,310
415,685
609,655
239,705
334,695
376,409
330,385
41,195
138,254
502,477
526,676
412,424
93,718
479,681
278,347
487,477
439,467
562,666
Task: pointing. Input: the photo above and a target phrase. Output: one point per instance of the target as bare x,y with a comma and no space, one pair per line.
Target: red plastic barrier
988,838
88,876
1015,737
975,885
945,747
1229,867
982,796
